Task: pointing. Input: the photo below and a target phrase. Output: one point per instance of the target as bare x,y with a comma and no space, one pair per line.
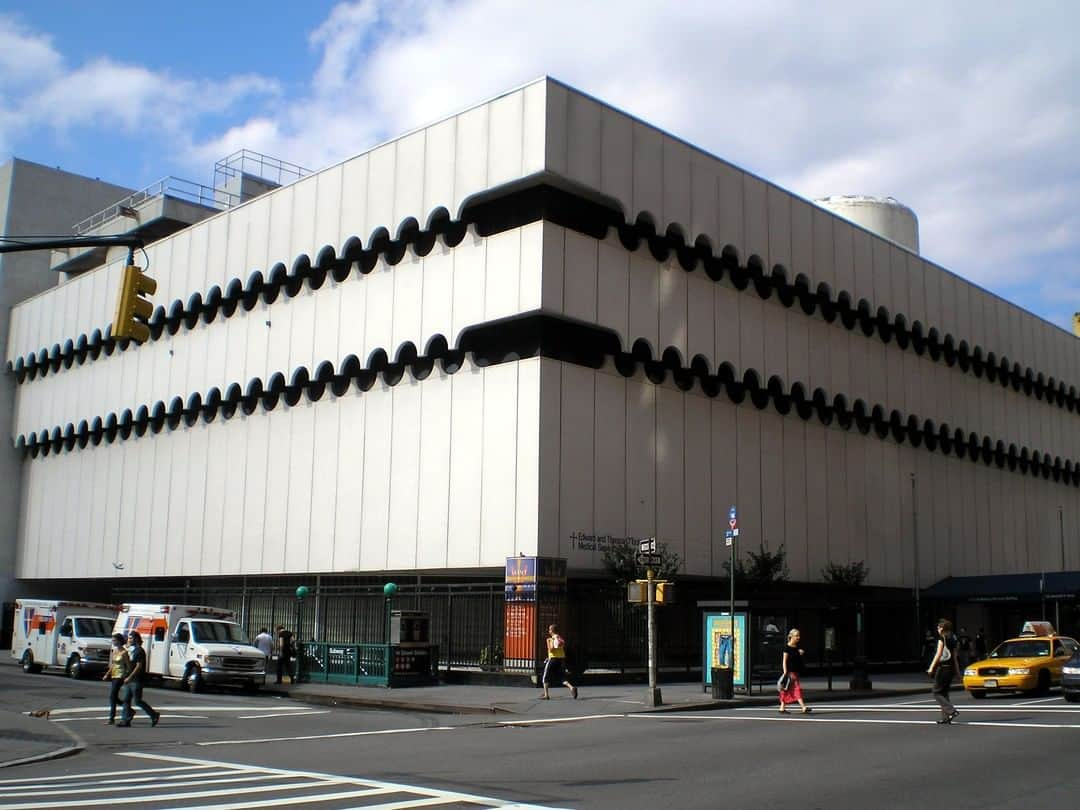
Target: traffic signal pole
653,698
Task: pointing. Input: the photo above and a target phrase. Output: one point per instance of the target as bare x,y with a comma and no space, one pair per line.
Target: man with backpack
285,654
134,684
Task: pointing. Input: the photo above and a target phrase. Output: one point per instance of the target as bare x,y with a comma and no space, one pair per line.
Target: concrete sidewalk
598,699
25,739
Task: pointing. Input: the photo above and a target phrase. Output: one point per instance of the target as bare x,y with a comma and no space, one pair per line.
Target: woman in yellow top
119,669
555,665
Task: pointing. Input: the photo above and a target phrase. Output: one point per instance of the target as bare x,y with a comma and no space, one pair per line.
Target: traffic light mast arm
10,244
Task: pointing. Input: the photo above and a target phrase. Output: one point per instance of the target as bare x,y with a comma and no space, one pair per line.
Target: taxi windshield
1022,648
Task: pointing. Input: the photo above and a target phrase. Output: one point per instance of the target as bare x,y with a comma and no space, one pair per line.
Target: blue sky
970,117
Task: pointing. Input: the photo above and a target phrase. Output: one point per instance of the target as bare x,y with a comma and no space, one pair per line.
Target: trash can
723,683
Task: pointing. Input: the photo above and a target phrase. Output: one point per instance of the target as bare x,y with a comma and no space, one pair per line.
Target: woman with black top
792,666
943,668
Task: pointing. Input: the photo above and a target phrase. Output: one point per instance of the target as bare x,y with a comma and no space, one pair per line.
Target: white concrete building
540,326
34,199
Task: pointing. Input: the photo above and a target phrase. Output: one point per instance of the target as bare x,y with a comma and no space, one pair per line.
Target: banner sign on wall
721,649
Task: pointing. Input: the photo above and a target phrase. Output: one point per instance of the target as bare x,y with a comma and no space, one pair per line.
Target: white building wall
396,478
632,459
415,300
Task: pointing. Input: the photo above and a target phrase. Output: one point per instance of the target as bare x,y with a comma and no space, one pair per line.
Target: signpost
730,537
648,556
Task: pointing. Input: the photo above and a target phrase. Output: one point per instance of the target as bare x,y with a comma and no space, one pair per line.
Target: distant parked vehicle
194,645
55,633
1070,678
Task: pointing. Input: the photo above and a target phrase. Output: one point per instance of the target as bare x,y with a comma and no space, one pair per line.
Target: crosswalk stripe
189,708
68,790
326,797
391,787
326,736
281,714
154,771
196,794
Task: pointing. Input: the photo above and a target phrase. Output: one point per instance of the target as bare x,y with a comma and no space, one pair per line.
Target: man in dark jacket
285,654
134,684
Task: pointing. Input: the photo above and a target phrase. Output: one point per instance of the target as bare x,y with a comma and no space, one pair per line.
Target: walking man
555,665
134,683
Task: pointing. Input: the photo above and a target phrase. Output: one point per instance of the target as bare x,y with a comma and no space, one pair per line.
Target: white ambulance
53,633
194,645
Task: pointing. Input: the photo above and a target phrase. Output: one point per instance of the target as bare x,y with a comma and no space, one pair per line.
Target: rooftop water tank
884,216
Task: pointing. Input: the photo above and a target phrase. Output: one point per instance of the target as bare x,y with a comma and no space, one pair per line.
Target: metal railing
175,187
246,161
351,664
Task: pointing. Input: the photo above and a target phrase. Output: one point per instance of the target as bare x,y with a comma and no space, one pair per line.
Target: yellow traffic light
132,310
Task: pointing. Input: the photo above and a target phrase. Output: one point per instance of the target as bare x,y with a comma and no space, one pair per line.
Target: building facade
34,200
540,327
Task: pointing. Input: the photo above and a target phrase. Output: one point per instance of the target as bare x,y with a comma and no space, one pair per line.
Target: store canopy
1004,587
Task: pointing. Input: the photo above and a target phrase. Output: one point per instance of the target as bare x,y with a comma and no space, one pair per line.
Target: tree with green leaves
761,567
851,575
621,563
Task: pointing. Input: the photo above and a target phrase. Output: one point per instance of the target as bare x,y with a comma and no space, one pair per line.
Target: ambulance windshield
93,627
222,632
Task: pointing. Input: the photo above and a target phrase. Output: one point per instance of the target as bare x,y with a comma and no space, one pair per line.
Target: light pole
915,556
301,592
653,698
389,589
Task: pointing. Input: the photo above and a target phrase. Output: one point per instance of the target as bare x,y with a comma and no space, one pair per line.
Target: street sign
648,559
647,546
729,537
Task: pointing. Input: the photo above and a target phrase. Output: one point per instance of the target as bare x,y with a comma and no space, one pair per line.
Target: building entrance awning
1007,587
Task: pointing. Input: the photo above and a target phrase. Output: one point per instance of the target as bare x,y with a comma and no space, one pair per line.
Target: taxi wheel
1072,697
1044,683
978,694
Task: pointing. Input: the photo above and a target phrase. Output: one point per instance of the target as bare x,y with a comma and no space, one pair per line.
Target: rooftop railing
175,187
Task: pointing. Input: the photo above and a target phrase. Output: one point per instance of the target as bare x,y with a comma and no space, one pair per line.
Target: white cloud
39,91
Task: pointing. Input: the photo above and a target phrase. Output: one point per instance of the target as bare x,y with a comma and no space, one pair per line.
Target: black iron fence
603,631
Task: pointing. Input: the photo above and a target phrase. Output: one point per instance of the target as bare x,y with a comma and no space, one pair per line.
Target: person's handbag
784,682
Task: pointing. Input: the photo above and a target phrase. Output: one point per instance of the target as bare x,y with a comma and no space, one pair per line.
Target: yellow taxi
1031,662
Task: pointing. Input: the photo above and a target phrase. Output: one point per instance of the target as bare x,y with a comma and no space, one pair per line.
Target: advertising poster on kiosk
722,650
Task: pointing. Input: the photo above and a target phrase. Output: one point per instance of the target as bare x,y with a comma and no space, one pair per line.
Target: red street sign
733,523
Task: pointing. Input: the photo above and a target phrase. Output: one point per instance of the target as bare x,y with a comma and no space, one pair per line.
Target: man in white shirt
265,642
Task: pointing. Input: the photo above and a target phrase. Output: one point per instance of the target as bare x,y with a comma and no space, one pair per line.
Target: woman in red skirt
792,669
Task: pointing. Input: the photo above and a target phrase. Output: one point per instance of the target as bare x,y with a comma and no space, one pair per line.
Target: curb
77,745
698,706
770,700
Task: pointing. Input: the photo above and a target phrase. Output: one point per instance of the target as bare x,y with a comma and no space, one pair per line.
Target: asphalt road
224,750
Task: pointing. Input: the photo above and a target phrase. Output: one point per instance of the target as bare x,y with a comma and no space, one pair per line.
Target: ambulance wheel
74,667
28,665
193,680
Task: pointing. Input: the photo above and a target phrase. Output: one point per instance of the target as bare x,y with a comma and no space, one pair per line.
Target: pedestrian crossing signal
132,310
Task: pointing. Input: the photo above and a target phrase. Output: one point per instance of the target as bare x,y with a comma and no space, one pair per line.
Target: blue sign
731,513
